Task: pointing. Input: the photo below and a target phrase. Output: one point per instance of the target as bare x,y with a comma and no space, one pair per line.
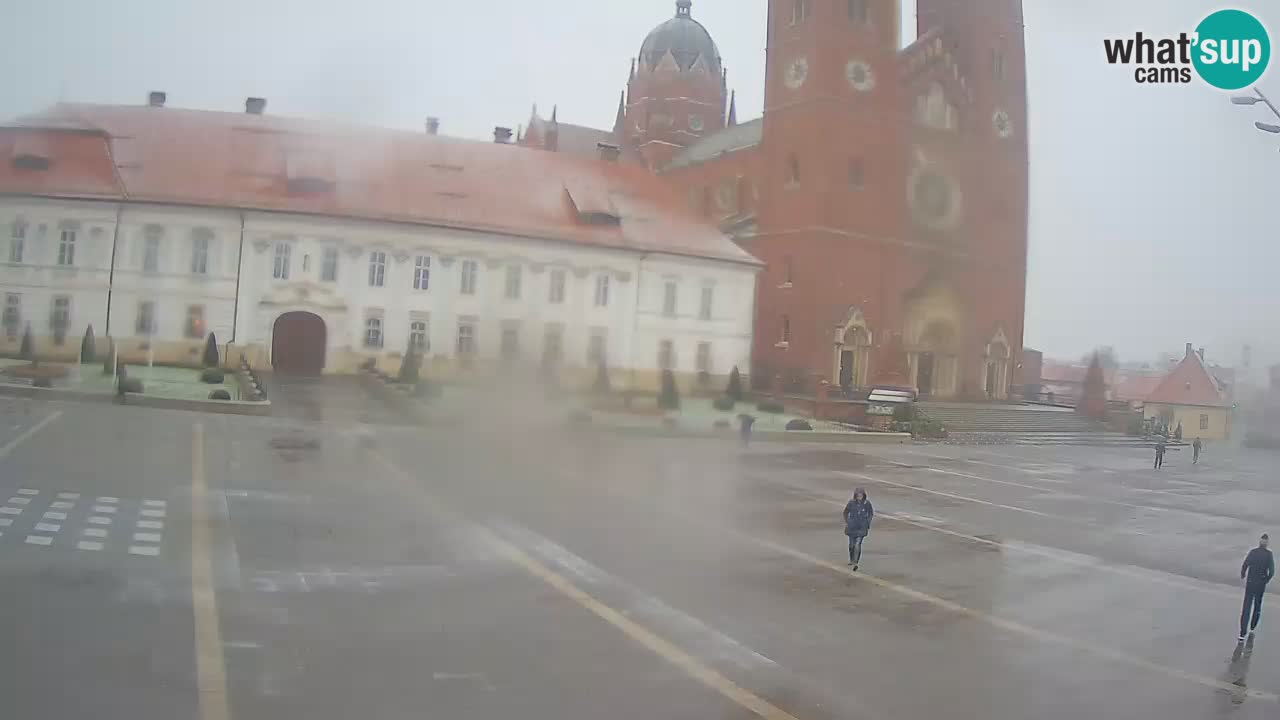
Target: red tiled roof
1135,386
268,162
1188,384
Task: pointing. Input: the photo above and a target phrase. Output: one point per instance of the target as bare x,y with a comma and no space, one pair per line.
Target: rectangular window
1204,422
466,339
510,347
469,270
280,268
12,319
422,273
200,255
557,287
666,355
669,299
704,308
329,265
194,328
786,329
373,332
552,345
151,254
60,318
858,11
377,269
67,248
857,172
602,291
799,11
597,348
788,269
704,357
419,339
997,64
18,241
306,263
513,282
146,324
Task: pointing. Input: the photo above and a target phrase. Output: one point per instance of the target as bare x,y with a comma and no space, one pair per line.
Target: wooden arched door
297,344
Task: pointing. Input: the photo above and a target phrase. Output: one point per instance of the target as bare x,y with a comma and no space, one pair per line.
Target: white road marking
953,496
48,527
68,496
30,431
61,505
94,532
28,491
105,509
39,540
55,515
109,500
150,550
88,545
11,510
146,537
20,500
154,503
152,513
98,520
150,524
5,522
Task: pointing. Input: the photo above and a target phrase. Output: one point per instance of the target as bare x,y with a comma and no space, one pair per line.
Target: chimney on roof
156,98
1189,350
433,126
254,105
502,135
1200,352
608,151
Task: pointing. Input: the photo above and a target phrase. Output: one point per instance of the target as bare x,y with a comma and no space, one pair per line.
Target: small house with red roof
1190,396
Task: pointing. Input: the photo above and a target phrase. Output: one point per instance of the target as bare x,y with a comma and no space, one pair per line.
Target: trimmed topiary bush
42,382
799,424
734,390
771,406
211,352
88,347
669,399
723,403
212,376
410,368
27,351
219,395
601,385
131,385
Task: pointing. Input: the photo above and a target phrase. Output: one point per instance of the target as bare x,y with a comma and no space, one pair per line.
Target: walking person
744,431
1160,445
857,523
1258,567
1195,451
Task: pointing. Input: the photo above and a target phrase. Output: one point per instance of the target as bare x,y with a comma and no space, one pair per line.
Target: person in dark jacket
1160,445
1258,568
744,428
857,523
1195,451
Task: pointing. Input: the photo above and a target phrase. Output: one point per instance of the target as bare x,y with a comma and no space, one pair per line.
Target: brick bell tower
832,201
676,92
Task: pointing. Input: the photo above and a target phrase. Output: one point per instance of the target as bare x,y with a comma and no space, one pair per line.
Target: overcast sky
1149,212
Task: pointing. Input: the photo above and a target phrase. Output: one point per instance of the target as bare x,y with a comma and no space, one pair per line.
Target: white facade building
313,291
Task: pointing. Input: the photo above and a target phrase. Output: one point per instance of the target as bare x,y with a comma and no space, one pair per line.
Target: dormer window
31,152
309,171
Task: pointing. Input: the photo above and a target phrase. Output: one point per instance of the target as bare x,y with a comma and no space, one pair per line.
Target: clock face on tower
860,75
797,73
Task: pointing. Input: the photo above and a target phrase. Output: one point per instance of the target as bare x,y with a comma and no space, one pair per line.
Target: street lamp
1256,98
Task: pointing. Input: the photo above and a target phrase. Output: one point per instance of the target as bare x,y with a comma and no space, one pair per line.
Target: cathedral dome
685,38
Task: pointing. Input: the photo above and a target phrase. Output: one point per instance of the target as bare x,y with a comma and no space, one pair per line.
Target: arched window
793,170
933,110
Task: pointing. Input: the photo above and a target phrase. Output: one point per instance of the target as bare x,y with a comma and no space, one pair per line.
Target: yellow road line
211,674
668,651
9,446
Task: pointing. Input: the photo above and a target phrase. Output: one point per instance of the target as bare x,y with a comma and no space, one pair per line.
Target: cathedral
884,188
